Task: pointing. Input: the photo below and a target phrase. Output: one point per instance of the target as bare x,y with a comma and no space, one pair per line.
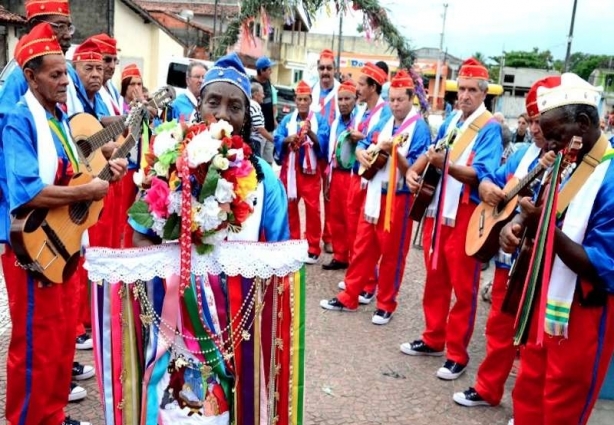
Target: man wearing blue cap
269,103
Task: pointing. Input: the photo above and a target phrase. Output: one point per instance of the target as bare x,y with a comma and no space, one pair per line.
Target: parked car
285,101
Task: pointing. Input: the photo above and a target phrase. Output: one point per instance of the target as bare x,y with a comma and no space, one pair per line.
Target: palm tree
480,57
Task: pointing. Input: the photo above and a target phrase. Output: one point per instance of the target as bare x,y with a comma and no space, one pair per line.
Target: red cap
130,71
88,51
106,43
377,74
38,42
348,86
402,80
472,68
36,8
531,100
327,54
302,88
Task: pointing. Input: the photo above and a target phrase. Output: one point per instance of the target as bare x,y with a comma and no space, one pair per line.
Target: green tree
583,63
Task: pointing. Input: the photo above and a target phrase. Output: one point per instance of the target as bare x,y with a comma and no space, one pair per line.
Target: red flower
230,175
227,143
241,211
247,150
237,142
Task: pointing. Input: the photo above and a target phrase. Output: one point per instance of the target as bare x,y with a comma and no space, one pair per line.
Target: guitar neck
99,139
525,182
122,152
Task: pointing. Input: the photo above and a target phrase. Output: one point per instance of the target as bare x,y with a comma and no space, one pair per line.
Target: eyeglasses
69,28
327,68
198,77
109,59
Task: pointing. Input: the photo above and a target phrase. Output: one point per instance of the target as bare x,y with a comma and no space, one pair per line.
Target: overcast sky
492,26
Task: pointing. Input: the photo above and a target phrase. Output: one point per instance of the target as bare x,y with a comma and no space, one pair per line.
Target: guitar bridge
36,265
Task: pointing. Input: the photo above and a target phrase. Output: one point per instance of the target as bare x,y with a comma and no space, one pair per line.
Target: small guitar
379,158
520,267
431,176
487,221
47,242
89,135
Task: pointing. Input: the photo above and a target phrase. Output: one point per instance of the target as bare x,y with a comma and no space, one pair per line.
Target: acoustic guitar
431,176
89,135
520,267
47,241
379,158
486,222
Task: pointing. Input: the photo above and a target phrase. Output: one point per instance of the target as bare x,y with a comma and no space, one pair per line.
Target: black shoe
451,370
335,305
82,372
84,342
311,259
68,421
469,398
381,317
366,297
335,265
76,392
419,348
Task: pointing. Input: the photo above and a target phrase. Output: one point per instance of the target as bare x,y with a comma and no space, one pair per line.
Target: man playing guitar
38,158
475,153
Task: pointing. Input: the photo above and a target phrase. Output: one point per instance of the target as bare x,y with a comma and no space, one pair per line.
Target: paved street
355,371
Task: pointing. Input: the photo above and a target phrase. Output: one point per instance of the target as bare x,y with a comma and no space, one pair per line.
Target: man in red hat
500,349
110,95
340,163
374,111
325,102
476,153
384,231
38,163
568,333
300,140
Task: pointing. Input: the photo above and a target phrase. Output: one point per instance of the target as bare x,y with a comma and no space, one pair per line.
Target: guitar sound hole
78,212
35,219
85,147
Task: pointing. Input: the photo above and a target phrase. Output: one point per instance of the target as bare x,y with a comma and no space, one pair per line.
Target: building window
257,33
297,75
272,35
508,79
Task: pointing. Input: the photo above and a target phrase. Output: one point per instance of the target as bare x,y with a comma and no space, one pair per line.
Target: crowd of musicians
369,159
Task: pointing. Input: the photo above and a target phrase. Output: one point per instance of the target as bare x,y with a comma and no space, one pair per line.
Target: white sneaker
364,298
84,342
311,259
76,392
381,317
511,422
341,285
451,370
69,421
81,372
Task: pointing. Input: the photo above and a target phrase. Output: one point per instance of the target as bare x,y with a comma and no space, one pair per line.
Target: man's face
536,132
346,101
400,103
258,96
557,130
109,64
90,74
51,80
303,102
470,97
363,89
62,27
326,72
195,79
266,73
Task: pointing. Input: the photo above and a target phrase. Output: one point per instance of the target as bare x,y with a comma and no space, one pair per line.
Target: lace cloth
248,259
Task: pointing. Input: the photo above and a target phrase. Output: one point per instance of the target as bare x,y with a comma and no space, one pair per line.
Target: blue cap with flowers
229,69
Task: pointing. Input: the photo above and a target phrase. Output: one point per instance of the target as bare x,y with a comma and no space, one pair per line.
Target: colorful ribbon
185,237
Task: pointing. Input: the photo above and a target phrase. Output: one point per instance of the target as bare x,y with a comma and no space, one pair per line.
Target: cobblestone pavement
355,372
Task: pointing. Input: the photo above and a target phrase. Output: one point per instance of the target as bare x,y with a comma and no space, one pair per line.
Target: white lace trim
248,259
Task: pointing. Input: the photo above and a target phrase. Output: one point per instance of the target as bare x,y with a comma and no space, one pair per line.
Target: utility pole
438,73
339,46
214,26
570,38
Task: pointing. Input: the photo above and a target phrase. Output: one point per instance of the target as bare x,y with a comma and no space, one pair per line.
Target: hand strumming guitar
509,238
119,167
491,193
412,179
364,158
548,159
436,158
529,216
385,145
97,189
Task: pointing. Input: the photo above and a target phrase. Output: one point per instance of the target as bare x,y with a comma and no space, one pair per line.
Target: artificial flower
220,129
157,198
161,169
220,162
246,184
202,149
241,211
163,143
209,216
138,177
236,155
224,192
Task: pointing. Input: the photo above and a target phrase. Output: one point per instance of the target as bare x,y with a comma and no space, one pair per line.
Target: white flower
220,162
238,152
163,143
177,132
161,169
209,216
216,238
174,205
158,225
217,128
137,178
224,192
202,149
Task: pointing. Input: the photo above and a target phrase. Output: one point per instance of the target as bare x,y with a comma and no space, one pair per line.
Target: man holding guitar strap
384,232
341,163
37,160
474,154
569,338
300,140
500,349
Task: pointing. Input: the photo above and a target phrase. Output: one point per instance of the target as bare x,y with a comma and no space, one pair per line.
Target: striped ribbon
185,237
58,129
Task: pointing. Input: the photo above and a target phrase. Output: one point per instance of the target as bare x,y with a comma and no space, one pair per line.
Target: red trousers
42,346
308,187
128,192
326,232
500,349
338,215
456,271
559,382
376,246
356,198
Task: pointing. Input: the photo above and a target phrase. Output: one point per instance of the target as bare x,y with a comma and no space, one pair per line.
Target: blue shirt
182,108
19,173
281,132
486,151
341,127
420,141
325,112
